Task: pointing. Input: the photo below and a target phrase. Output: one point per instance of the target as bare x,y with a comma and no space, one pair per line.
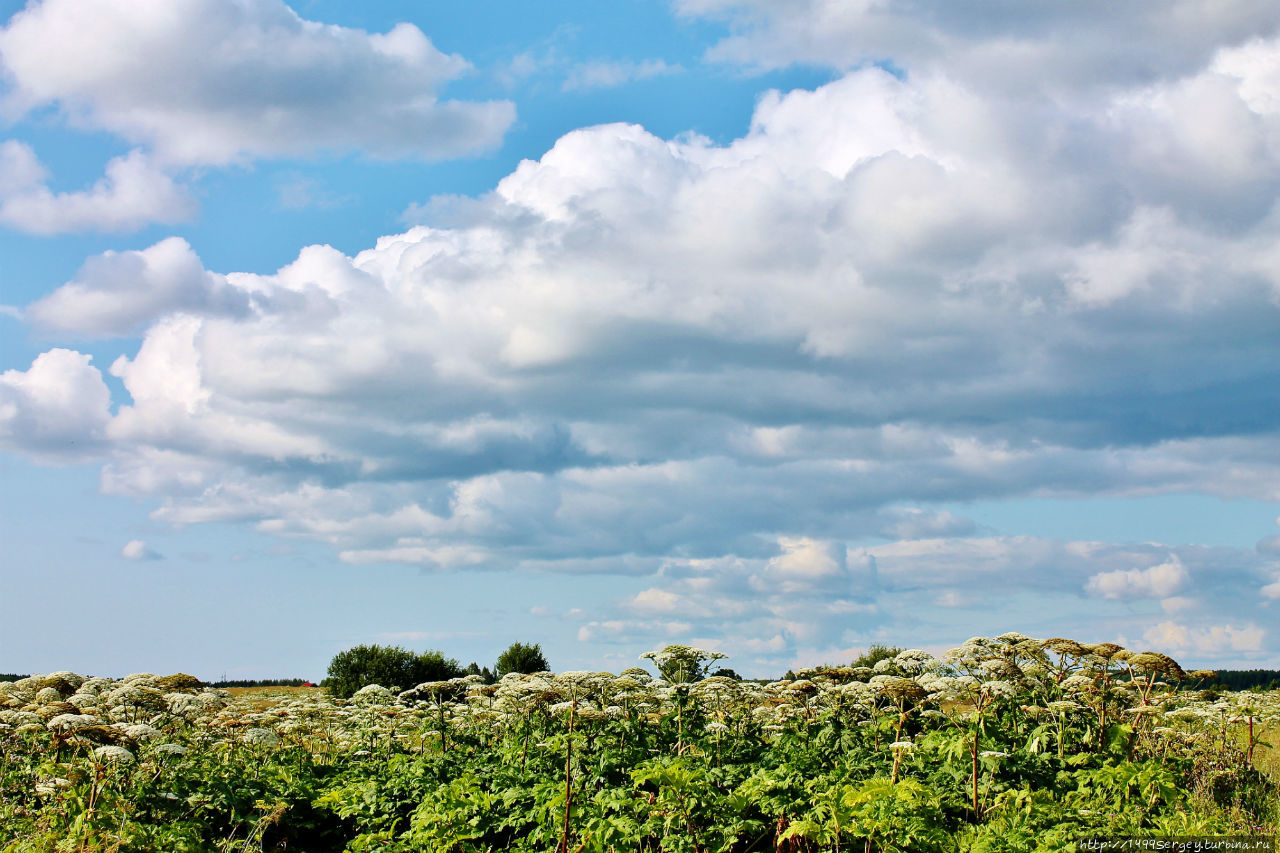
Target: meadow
1004,744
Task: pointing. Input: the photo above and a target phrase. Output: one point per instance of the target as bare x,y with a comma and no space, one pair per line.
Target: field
1006,743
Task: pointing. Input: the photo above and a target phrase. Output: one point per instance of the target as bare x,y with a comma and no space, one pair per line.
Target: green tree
683,664
522,657
474,668
390,666
875,653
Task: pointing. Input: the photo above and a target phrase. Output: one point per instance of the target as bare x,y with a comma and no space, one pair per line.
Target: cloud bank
720,368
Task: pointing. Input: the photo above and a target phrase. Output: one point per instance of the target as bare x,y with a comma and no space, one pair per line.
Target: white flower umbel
49,787
374,694
113,755
141,732
261,737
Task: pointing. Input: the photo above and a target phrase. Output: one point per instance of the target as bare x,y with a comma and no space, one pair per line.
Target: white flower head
141,732
374,694
260,737
49,787
113,755
70,722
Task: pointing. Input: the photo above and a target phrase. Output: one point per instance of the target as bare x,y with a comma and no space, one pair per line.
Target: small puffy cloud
119,293
241,80
654,600
1271,590
607,75
136,549
132,193
1212,640
629,632
803,564
1177,604
1158,581
58,409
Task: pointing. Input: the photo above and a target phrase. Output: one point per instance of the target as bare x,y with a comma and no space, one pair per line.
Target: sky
776,327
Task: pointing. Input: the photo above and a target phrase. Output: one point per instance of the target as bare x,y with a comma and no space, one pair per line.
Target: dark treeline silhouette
1243,679
261,682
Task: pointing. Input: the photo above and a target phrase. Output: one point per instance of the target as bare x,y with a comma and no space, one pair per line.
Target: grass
1268,760
268,692
263,698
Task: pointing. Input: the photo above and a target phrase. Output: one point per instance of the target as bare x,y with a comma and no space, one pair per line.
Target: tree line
1245,679
397,667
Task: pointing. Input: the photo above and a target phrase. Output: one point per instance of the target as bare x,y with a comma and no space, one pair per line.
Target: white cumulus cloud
58,409
1211,640
132,193
204,81
136,549
120,293
1159,581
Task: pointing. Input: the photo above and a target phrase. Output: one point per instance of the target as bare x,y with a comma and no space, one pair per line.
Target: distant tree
484,672
522,657
683,664
727,673
875,653
390,666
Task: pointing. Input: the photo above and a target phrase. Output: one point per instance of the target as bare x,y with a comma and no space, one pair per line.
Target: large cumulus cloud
725,365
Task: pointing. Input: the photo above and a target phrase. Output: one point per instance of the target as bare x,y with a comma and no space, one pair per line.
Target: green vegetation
1245,679
261,682
875,653
1006,744
389,666
522,658
484,672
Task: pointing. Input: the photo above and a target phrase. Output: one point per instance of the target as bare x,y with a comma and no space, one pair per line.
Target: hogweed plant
1002,743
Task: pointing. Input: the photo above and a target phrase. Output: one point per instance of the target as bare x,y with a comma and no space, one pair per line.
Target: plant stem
568,782
973,752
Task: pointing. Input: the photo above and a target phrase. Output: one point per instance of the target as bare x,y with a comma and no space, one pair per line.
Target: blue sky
777,327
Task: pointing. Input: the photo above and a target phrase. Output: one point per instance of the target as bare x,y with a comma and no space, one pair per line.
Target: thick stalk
688,823
568,783
973,753
1102,713
443,746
